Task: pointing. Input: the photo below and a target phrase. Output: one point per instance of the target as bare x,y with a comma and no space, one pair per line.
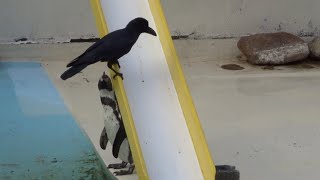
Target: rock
314,47
273,48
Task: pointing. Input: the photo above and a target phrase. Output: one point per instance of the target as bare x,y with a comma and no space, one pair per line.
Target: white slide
163,128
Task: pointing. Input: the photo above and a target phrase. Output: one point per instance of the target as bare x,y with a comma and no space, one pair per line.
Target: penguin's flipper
103,139
125,172
121,135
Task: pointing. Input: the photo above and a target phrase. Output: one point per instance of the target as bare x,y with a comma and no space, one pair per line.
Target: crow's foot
118,74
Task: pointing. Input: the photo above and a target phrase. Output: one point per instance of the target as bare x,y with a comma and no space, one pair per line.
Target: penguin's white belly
106,93
111,123
124,153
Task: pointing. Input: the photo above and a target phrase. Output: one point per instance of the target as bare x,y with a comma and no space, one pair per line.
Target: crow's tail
72,71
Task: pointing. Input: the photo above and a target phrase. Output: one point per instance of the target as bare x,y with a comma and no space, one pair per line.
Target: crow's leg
118,165
125,172
117,62
117,73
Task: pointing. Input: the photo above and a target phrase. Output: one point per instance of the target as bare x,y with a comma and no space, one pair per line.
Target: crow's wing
121,45
92,47
109,47
88,55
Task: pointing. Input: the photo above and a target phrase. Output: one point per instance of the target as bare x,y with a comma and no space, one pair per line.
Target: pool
39,137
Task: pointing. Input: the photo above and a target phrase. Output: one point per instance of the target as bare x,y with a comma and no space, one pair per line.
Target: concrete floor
263,120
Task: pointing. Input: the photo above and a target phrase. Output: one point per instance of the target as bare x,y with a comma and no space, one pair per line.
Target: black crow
110,48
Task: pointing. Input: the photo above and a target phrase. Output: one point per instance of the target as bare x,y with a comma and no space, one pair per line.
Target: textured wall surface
43,20
60,20
232,18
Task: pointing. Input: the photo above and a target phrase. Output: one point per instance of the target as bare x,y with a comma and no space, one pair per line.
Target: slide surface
164,131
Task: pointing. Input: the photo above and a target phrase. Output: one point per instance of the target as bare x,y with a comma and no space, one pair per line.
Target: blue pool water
39,139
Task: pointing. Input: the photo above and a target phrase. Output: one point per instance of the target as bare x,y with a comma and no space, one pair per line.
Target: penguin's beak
151,31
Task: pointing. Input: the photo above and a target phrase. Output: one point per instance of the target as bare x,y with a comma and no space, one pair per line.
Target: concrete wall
43,20
232,18
61,20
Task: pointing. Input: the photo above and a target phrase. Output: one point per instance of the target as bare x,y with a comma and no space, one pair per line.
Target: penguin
114,131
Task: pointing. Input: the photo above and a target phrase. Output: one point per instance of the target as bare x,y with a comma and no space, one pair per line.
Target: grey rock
314,47
273,48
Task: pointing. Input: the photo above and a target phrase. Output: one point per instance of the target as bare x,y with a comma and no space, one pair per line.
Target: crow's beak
151,31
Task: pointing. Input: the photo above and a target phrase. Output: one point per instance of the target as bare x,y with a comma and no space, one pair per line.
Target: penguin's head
105,82
141,25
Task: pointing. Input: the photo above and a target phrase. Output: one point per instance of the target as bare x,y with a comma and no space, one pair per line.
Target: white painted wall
60,19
